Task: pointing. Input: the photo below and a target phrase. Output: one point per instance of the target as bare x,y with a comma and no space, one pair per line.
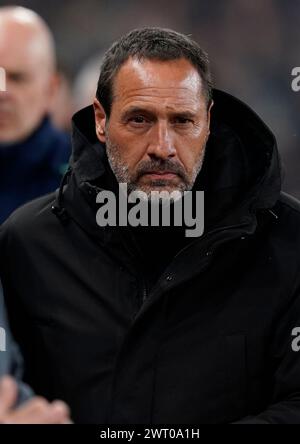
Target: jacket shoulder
26,216
289,202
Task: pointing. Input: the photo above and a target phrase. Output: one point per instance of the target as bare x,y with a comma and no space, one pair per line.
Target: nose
162,142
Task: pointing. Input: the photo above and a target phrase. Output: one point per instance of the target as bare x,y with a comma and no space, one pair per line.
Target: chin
6,138
176,190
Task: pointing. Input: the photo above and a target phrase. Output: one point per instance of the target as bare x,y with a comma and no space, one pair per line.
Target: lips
161,174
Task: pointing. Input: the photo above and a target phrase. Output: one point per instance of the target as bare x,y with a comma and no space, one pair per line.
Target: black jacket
212,341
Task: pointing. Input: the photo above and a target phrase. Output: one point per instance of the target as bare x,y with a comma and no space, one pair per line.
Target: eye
138,119
180,120
17,77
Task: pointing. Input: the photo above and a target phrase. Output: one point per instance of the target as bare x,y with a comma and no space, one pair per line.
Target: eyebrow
140,110
135,110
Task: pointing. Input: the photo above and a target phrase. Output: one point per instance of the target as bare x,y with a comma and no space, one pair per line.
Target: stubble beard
122,174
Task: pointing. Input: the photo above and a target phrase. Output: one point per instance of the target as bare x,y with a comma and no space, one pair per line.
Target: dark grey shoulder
290,201
30,212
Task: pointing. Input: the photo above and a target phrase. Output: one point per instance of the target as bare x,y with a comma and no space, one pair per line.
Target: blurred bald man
33,154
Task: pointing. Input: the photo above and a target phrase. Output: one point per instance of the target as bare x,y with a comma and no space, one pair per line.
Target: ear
55,83
53,86
100,120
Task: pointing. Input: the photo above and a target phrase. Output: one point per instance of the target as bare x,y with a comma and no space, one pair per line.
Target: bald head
27,54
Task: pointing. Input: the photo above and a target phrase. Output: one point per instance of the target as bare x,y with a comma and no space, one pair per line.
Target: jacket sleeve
10,357
284,359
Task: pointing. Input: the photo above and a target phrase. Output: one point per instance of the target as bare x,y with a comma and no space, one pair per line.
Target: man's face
29,84
158,127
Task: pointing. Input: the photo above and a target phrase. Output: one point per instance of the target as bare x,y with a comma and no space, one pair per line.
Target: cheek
132,147
190,149
37,94
134,154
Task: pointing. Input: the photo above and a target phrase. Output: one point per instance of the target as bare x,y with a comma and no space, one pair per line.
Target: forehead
19,47
175,80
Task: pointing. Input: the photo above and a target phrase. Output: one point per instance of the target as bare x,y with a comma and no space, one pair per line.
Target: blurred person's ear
62,103
53,88
100,120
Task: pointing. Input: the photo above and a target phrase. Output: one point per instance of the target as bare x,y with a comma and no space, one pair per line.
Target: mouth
161,175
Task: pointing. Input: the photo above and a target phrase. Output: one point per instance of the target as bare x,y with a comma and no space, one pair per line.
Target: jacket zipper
145,293
143,285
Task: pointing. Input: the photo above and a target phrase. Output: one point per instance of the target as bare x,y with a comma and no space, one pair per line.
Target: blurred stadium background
253,47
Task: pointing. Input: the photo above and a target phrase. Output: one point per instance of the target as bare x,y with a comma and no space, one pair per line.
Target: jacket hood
241,170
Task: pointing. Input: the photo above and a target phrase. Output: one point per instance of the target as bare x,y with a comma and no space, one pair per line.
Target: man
144,324
17,402
33,154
